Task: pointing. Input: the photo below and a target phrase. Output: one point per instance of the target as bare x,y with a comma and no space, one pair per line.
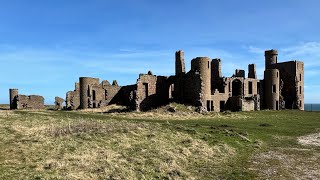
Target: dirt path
290,163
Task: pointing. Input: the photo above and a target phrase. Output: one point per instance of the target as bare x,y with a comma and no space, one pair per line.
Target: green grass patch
157,145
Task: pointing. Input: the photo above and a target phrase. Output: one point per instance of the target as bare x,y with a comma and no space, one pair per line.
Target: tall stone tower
86,93
216,74
13,95
216,68
272,86
180,65
202,65
252,71
271,57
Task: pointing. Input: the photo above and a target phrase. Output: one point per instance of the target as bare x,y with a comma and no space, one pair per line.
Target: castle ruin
18,101
203,86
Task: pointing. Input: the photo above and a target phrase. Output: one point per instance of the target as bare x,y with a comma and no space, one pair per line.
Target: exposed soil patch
312,139
287,164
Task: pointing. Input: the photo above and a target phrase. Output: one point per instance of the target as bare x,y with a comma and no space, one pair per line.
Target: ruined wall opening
236,88
277,105
250,87
258,87
222,104
208,106
300,90
146,89
274,88
94,95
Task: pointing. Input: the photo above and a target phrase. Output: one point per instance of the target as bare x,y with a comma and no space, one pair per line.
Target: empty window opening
208,65
250,87
146,89
300,90
300,104
89,91
274,88
300,77
236,88
277,105
277,74
212,108
229,87
94,95
222,104
208,106
258,88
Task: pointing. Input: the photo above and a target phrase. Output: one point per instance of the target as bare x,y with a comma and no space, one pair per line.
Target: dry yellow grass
92,149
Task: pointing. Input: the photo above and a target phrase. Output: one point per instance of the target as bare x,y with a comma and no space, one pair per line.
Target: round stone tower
13,94
86,91
272,85
271,57
203,66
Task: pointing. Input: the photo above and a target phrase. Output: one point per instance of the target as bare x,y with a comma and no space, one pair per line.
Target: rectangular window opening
300,77
146,89
250,87
300,90
274,88
208,106
222,104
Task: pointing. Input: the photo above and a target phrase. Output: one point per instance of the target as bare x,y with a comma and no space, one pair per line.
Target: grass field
159,145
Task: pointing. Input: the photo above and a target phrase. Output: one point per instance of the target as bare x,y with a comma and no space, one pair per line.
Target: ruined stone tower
272,86
216,74
87,95
202,65
271,58
216,68
13,95
252,71
180,65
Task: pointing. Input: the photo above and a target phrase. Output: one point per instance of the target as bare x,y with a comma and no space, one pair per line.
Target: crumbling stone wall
58,103
18,101
239,73
203,86
192,88
73,98
292,77
30,102
146,91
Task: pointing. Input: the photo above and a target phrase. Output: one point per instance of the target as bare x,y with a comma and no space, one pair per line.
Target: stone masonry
18,101
203,86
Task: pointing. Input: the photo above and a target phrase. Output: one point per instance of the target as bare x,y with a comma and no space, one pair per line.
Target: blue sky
45,46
